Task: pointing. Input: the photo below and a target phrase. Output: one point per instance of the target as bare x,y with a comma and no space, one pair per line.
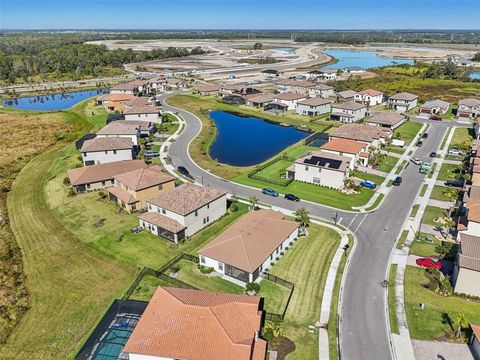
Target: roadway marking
360,223
350,223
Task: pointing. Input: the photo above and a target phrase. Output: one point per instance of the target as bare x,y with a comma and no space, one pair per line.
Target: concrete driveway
436,350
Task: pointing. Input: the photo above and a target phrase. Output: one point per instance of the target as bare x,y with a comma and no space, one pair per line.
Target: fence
287,284
254,174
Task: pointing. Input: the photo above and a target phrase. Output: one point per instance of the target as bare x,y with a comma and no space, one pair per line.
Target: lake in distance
52,102
363,59
246,141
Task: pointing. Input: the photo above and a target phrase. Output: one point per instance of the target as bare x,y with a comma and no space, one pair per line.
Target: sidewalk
402,343
441,204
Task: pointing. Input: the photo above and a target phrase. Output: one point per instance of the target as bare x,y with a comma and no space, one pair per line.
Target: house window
164,211
206,220
160,187
112,182
220,266
196,212
208,206
271,257
84,154
316,180
114,152
306,168
103,183
106,152
202,259
88,186
149,207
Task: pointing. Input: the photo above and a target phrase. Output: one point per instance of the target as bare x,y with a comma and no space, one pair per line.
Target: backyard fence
254,174
283,282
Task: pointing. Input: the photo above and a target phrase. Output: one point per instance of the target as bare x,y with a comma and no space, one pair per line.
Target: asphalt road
363,332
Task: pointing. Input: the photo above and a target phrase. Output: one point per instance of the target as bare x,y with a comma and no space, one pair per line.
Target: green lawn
414,211
401,167
146,288
403,238
407,131
438,193
395,149
449,171
367,176
388,163
423,190
427,324
421,247
276,171
431,214
392,301
462,138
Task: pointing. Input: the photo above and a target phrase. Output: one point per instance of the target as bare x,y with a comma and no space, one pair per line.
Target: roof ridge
210,308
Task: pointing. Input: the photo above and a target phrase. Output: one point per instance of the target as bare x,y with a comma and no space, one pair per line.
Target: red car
429,263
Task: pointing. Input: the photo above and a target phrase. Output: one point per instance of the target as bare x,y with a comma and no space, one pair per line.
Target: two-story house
348,112
322,91
314,106
402,102
102,150
369,97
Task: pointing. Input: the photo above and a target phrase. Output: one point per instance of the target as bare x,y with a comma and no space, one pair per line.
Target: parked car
292,197
433,154
455,183
397,181
455,152
270,192
149,154
183,170
425,135
436,117
368,184
416,161
419,143
429,263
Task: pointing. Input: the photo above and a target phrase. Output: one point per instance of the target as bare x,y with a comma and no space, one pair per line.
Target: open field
429,324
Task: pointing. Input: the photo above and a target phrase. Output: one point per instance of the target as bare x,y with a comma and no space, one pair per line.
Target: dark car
433,154
455,183
397,181
419,143
425,135
183,170
292,197
436,117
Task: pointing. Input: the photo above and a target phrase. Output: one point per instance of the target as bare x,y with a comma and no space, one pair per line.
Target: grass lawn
395,149
146,288
432,170
403,238
438,193
414,211
424,190
306,265
424,248
401,167
407,131
449,171
392,301
388,163
276,171
431,214
427,324
367,176
461,138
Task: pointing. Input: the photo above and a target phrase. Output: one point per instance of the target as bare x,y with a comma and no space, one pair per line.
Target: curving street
363,317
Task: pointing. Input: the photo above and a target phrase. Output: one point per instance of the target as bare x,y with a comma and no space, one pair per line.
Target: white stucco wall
316,110
467,281
129,136
147,357
108,156
358,114
99,185
319,176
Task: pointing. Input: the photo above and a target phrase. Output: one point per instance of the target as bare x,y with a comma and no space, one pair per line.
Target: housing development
271,195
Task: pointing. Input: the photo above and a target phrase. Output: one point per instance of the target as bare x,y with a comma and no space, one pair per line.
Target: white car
416,161
455,152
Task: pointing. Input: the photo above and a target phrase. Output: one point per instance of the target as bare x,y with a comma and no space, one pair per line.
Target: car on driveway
270,192
397,181
416,161
455,183
368,184
455,152
429,263
292,197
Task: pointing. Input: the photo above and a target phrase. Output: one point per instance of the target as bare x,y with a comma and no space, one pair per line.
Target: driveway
436,350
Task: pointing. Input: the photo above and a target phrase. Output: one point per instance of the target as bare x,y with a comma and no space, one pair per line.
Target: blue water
285,49
362,59
53,101
245,141
475,75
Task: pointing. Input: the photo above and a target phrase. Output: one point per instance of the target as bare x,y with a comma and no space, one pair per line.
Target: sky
239,14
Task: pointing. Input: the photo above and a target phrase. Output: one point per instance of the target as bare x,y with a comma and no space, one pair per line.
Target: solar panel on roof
321,161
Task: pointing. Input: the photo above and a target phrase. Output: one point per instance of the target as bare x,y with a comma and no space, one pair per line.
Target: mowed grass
407,131
439,193
392,301
367,176
388,163
431,214
449,171
428,324
306,265
462,138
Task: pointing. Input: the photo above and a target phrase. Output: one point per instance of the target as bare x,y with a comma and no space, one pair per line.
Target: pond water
52,101
245,141
285,49
362,59
475,75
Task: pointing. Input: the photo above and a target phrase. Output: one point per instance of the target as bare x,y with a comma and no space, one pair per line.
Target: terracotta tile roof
186,198
473,207
472,193
141,109
315,101
199,325
136,101
250,240
288,96
344,145
405,96
371,92
122,194
140,179
130,85
106,143
162,221
470,245
360,132
349,105
118,97
469,262
347,94
390,118
476,330
102,172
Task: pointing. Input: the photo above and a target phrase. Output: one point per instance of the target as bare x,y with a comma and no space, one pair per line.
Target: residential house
321,168
346,95
183,211
198,325
348,112
103,150
294,86
131,87
239,90
290,99
131,190
470,223
127,129
353,70
174,84
321,90
434,107
272,73
96,177
468,108
314,106
260,101
250,245
148,113
207,90
371,135
369,97
355,150
402,102
466,272
388,119
114,102
475,341
321,74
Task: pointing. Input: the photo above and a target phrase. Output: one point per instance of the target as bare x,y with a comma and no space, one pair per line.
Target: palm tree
253,201
302,216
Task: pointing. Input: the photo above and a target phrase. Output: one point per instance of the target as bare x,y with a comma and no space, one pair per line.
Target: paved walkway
369,170
441,204
436,350
402,344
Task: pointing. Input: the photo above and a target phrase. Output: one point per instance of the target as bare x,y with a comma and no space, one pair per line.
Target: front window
220,266
202,259
196,212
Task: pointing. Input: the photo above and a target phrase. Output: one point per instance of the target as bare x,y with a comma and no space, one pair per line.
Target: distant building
321,90
260,101
295,86
370,135
314,106
103,150
130,87
208,89
290,99
348,112
346,95
434,107
354,70
402,102
468,108
321,74
272,73
387,119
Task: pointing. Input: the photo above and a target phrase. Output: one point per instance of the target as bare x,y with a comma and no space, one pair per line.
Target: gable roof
343,145
347,94
436,103
102,172
371,92
473,207
470,102
360,132
106,143
123,127
470,245
349,105
315,101
250,240
296,83
162,221
390,118
141,109
261,99
186,198
140,179
208,88
117,97
199,325
288,96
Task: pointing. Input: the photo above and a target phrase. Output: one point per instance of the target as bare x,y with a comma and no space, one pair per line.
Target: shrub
66,181
233,207
282,253
175,268
252,286
205,269
290,243
286,248
71,193
102,195
277,258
